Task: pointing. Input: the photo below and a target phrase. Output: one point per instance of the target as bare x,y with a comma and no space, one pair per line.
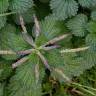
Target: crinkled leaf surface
51,28
87,3
3,8
21,5
24,82
63,9
11,40
77,25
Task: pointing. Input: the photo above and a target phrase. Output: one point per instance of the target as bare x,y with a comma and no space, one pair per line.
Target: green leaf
41,40
2,21
3,5
5,69
11,40
74,68
21,6
91,27
27,16
76,64
1,89
77,25
26,82
50,28
89,59
63,9
71,65
54,58
93,15
87,3
91,41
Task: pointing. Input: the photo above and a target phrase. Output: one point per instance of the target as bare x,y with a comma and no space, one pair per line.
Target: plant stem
37,26
87,91
50,47
74,50
7,52
62,74
6,14
76,84
29,51
19,62
78,92
25,35
44,60
56,39
90,88
37,72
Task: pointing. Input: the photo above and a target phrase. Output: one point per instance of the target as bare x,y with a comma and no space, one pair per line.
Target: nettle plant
61,41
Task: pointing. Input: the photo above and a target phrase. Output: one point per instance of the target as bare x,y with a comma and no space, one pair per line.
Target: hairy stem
56,39
19,62
29,51
6,14
74,50
44,60
50,47
22,24
37,72
37,26
25,35
7,52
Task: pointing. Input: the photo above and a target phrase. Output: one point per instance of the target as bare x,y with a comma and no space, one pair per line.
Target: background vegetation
47,47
